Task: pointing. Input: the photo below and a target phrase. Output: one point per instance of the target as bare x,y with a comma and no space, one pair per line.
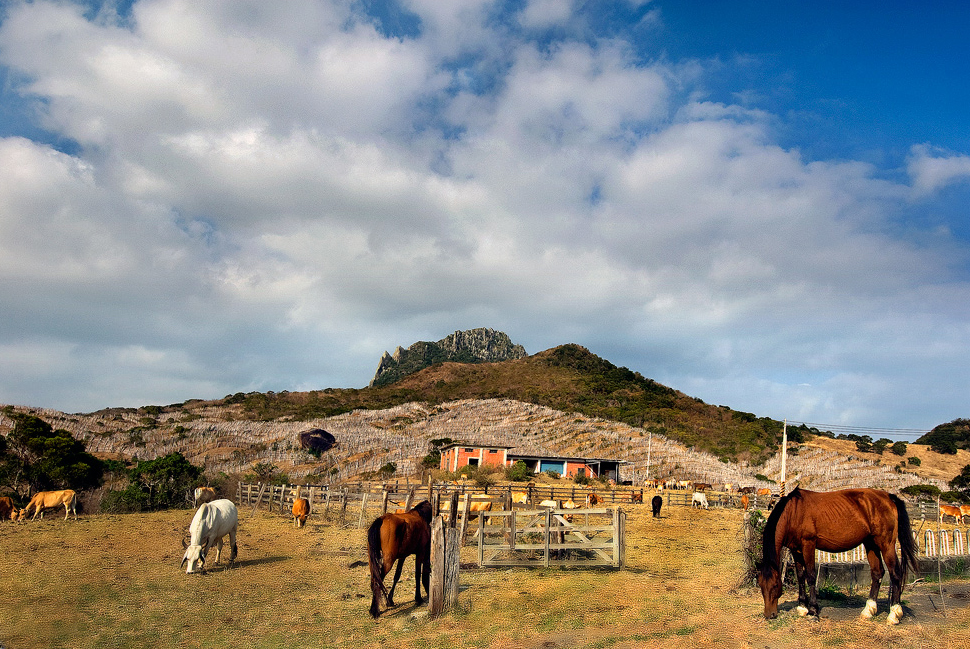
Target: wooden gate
547,537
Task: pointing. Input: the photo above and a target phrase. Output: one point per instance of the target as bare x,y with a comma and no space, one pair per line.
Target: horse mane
769,557
423,509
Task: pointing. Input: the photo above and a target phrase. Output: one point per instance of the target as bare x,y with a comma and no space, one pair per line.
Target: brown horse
804,521
396,537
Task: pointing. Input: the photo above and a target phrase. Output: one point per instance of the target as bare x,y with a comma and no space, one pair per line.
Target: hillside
567,378
563,401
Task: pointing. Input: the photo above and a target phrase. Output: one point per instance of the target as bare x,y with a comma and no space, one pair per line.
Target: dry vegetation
215,435
113,581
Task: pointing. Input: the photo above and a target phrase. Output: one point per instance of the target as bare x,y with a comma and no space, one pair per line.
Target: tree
944,446
433,459
899,448
518,472
166,481
961,482
45,458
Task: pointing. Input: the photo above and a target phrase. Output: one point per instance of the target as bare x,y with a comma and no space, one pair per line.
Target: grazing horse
655,505
396,537
745,501
804,521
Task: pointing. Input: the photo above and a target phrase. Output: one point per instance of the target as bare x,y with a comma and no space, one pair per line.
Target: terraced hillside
216,435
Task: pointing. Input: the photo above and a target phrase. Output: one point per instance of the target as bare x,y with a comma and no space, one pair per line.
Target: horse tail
375,559
905,534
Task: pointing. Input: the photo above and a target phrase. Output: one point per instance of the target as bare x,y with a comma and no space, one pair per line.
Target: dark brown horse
804,521
396,537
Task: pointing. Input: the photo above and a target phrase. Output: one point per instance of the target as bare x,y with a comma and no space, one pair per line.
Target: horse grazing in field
655,505
394,537
804,521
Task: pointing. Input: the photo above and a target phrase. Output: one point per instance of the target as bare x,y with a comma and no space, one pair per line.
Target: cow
655,505
636,497
746,490
951,510
520,497
964,511
203,495
210,524
701,486
301,509
476,508
50,499
549,504
592,499
6,508
744,501
698,499
764,491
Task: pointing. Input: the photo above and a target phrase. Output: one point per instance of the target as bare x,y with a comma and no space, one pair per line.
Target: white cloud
269,199
545,13
932,169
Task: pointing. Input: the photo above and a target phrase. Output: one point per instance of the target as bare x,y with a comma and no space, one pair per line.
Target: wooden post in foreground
445,566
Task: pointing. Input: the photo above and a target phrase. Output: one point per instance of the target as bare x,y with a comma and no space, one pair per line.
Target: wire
840,428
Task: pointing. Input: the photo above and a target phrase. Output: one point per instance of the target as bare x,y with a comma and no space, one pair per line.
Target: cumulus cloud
269,199
932,169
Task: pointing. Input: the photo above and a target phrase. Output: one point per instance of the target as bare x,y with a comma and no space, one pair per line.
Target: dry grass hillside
217,436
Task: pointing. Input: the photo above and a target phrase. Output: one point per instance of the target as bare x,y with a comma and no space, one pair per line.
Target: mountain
568,378
472,346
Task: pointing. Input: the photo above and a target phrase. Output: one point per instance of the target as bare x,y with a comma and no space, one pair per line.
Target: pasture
110,581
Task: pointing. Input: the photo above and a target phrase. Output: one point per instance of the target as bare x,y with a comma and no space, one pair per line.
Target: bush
582,478
553,474
899,448
519,472
944,447
922,491
914,461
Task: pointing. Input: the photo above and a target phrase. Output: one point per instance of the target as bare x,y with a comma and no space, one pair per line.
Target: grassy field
114,581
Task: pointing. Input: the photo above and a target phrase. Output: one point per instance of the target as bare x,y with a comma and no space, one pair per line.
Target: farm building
456,456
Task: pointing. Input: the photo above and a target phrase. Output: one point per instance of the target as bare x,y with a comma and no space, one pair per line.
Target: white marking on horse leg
801,610
895,613
869,610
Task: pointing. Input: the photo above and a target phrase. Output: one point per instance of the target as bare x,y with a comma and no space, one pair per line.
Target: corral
113,581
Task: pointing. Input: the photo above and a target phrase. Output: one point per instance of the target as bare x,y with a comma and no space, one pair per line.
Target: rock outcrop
472,346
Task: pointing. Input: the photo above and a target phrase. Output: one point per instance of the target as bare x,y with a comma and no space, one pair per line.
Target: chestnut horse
396,537
804,521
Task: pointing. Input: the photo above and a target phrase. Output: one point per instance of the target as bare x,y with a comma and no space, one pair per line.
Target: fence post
445,567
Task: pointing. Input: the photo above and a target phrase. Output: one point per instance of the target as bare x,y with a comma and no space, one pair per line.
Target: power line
841,428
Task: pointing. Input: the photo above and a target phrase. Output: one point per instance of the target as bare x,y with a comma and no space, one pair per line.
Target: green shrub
914,461
899,448
519,472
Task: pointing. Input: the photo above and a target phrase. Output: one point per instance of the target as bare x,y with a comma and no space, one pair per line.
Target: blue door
552,465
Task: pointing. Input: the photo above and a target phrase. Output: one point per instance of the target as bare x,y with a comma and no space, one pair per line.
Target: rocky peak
473,346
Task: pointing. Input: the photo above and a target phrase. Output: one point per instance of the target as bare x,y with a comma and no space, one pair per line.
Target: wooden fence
552,537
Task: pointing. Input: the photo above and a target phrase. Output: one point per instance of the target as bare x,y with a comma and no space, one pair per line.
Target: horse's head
769,579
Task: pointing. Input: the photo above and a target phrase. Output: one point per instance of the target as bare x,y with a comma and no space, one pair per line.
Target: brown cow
636,497
6,508
744,501
764,491
701,486
951,510
592,500
520,497
204,495
301,509
50,499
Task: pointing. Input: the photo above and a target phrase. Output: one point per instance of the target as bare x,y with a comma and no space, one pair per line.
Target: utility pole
784,454
649,445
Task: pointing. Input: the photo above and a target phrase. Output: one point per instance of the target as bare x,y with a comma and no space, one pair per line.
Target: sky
759,203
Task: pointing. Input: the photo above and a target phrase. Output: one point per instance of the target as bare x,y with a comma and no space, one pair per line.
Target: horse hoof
801,610
895,613
869,610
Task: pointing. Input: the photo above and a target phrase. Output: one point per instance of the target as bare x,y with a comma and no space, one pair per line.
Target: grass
114,581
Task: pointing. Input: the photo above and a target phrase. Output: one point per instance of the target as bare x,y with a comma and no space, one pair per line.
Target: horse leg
418,570
808,567
803,604
875,566
397,575
895,567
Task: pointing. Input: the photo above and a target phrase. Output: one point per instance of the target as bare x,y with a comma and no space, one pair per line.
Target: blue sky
762,204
